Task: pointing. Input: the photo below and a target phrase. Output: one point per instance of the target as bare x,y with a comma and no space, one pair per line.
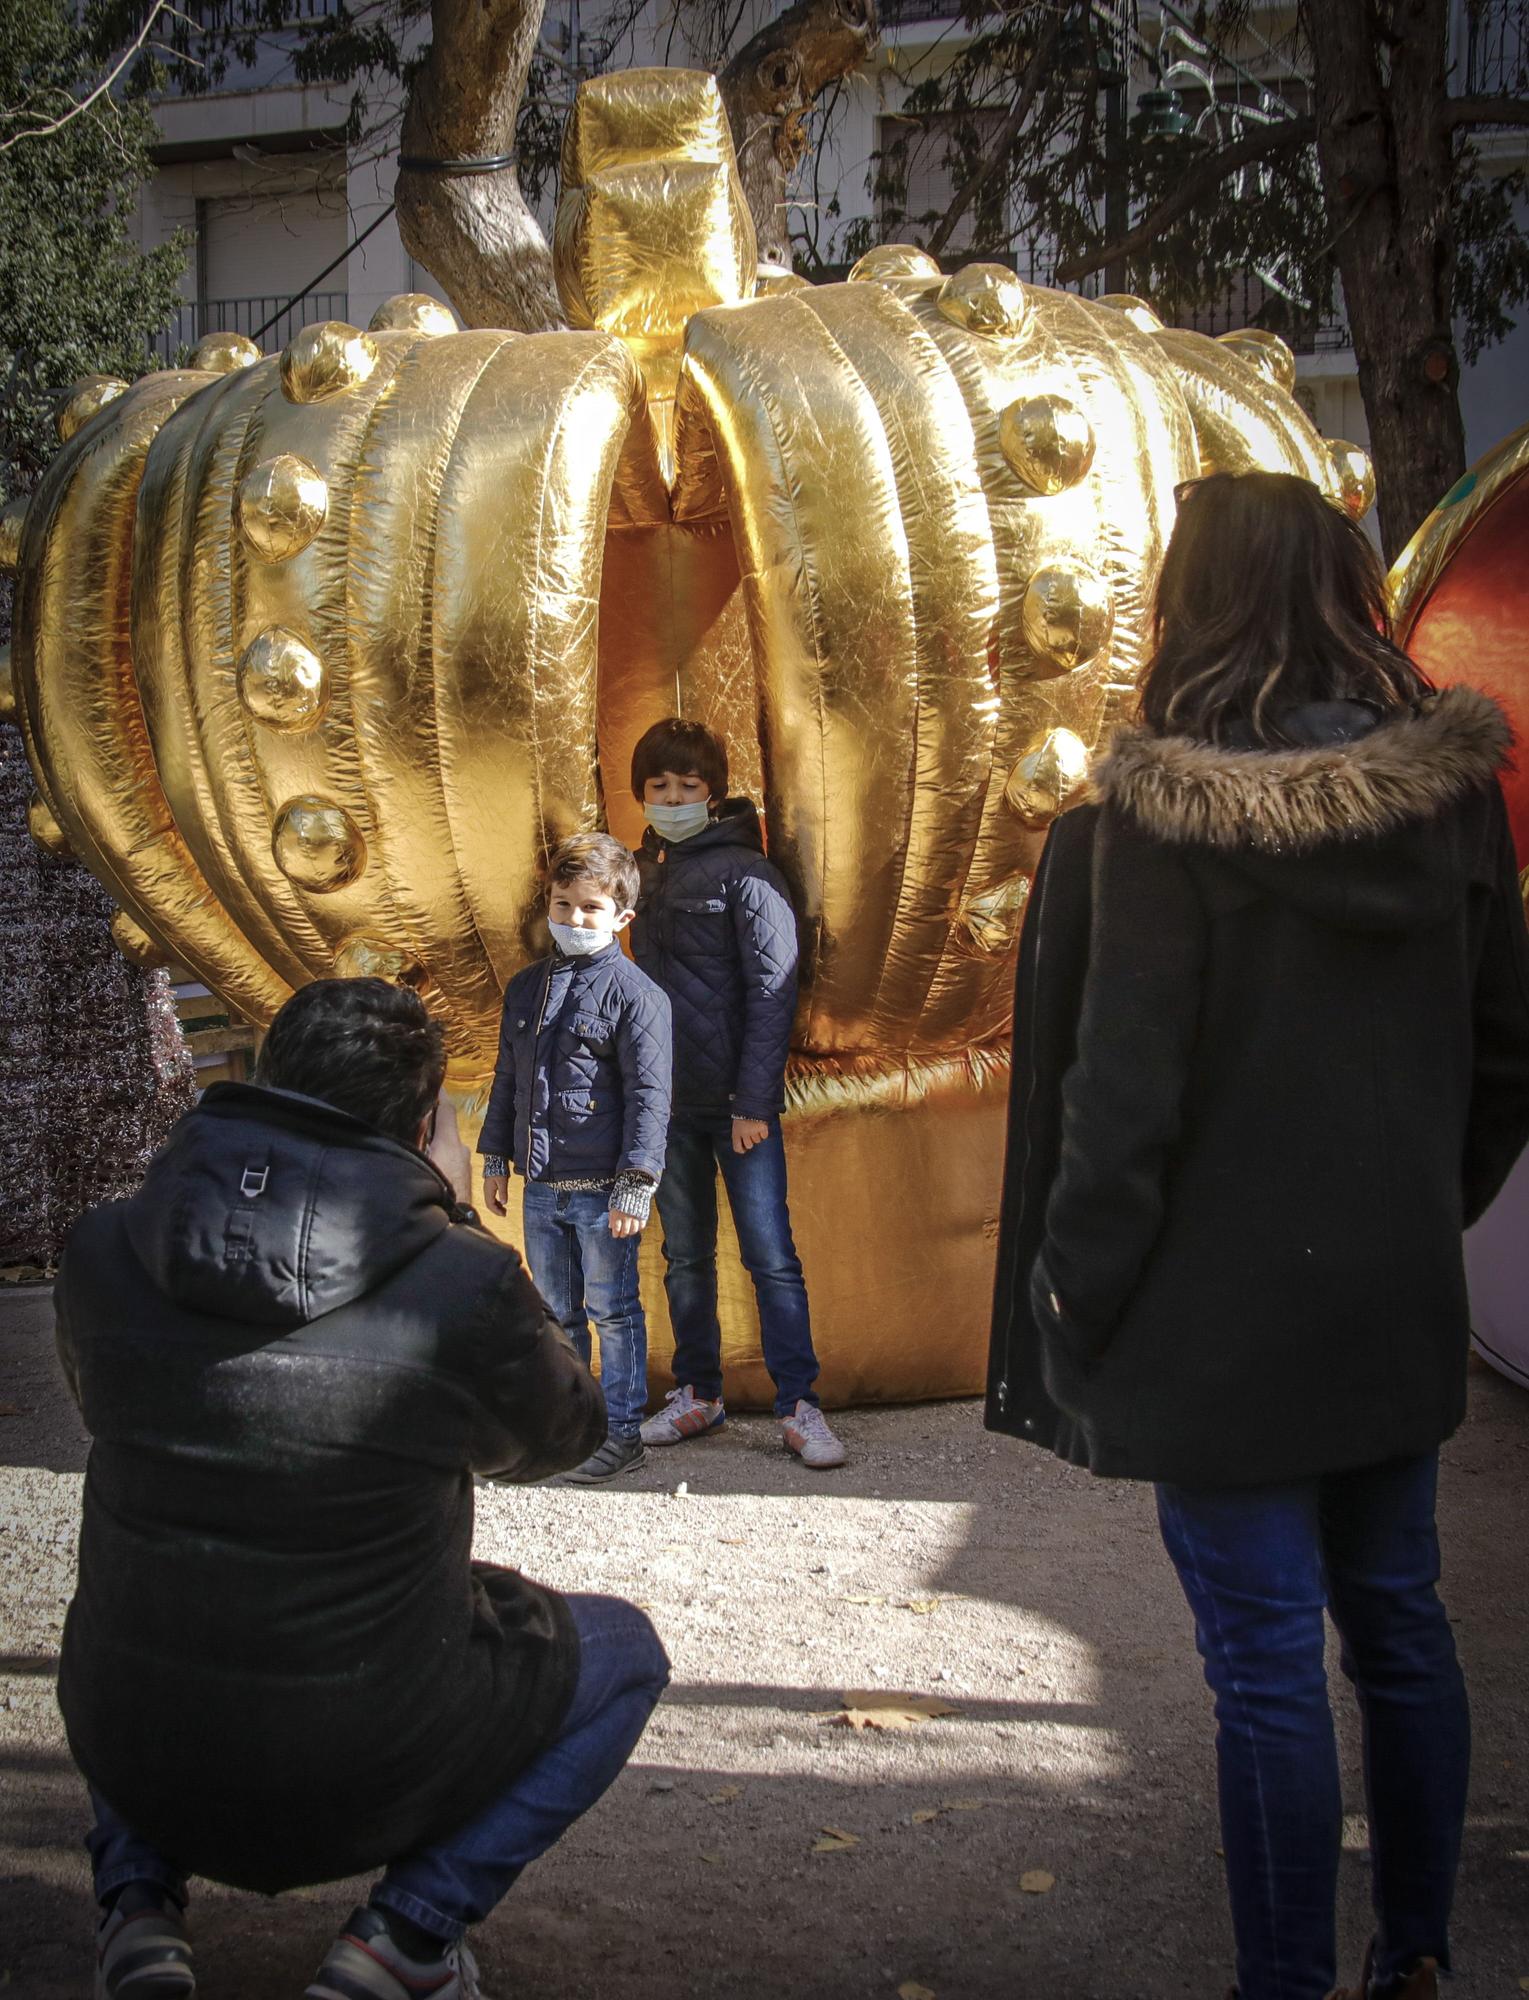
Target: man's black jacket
280,1665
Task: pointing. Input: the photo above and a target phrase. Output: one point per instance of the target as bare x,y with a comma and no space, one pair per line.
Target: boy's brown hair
601,859
682,747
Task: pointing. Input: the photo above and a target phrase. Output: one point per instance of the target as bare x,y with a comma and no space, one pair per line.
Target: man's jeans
687,1207
584,1273
1258,1565
456,1882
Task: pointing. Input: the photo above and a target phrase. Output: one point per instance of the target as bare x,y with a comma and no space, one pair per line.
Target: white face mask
579,941
677,822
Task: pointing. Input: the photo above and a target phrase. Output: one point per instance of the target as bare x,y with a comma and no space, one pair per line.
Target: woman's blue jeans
456,1881
756,1193
1259,1565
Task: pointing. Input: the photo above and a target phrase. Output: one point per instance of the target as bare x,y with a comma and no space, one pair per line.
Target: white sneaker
806,1433
684,1415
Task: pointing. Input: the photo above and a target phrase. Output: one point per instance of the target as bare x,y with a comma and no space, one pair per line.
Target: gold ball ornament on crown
45,829
85,400
12,518
1264,352
901,266
1048,441
136,944
1068,615
413,312
986,299
1048,778
225,353
282,681
325,360
317,845
1140,312
1356,476
280,506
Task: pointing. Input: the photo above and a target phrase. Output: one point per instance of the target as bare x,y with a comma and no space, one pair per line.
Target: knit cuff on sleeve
494,1167
632,1194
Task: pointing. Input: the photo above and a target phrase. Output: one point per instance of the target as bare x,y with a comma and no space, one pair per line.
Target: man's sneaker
363,1963
142,1949
615,1455
684,1415
806,1433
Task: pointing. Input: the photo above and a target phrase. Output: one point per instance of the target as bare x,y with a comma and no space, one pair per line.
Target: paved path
941,1561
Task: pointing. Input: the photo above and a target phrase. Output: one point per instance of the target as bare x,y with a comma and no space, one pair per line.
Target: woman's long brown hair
1269,597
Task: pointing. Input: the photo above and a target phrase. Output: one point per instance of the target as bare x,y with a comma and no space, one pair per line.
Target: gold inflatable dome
317,653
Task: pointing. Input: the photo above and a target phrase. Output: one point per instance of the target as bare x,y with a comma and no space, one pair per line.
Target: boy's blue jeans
623,1670
756,1194
584,1273
1258,1565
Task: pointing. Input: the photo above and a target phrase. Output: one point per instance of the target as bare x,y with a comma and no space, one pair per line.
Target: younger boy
716,930
579,1107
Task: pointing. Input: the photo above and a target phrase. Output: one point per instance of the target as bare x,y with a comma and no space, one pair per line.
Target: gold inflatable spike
1068,615
135,943
281,506
85,400
900,265
771,280
318,846
985,298
375,958
1141,315
989,921
225,353
282,681
1048,441
7,686
1356,476
1263,351
1244,422
1048,778
12,517
325,360
44,827
413,312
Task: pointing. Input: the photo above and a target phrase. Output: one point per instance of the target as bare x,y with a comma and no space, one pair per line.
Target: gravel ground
943,1562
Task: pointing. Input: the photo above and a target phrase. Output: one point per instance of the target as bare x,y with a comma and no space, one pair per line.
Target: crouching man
293,1351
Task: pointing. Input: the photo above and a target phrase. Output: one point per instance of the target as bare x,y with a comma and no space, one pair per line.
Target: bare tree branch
83,104
473,230
1486,111
1009,131
769,88
1287,136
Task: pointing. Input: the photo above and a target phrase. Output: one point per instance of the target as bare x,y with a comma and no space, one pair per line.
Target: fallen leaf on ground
1036,1881
963,1805
10,1410
865,1600
712,1858
732,1541
911,1990
922,1606
726,1796
834,1840
878,1708
925,1814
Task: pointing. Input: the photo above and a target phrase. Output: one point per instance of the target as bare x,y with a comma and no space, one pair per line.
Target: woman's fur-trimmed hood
1292,800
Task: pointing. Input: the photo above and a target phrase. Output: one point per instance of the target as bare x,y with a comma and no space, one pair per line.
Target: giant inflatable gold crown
316,653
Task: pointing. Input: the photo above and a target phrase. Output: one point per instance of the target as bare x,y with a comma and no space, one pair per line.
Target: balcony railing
222,15
203,316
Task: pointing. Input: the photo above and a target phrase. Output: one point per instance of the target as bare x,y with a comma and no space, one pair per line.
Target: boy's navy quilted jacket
716,930
581,1087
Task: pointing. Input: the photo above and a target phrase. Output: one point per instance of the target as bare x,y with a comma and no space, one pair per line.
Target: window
922,162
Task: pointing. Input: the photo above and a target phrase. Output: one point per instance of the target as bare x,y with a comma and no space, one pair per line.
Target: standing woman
1271,1057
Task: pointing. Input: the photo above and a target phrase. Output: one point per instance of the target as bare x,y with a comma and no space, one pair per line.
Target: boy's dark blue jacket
716,930
581,1087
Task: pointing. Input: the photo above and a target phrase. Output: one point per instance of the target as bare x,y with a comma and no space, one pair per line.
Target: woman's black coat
293,1352
1271,1056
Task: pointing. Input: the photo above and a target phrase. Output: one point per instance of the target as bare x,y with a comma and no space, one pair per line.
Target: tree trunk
473,231
769,88
1388,170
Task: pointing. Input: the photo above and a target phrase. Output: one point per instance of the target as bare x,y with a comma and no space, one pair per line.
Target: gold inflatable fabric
316,654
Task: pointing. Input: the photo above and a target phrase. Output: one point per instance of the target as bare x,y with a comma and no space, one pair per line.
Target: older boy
716,930
579,1107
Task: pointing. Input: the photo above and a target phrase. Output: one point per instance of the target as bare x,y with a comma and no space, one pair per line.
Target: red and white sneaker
806,1433
684,1415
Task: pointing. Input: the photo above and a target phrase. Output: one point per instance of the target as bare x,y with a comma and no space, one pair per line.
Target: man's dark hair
362,1045
603,860
682,747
